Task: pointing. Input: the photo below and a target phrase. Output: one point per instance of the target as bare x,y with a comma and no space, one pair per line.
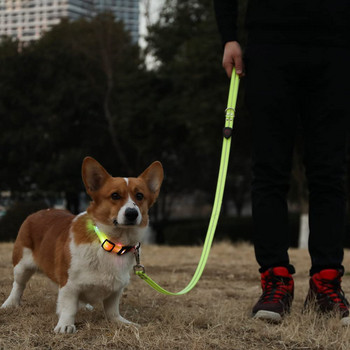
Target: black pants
289,86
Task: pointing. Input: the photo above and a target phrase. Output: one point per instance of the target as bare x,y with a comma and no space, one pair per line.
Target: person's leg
325,118
326,123
271,99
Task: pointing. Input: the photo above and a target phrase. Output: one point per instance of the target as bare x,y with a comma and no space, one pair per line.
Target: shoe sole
270,316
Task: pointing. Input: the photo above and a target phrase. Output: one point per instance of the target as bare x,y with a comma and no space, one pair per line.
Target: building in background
27,20
127,11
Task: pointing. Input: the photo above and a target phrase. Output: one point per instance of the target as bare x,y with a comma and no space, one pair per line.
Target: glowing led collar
108,245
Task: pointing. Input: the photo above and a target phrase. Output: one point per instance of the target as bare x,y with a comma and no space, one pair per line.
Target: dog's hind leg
22,272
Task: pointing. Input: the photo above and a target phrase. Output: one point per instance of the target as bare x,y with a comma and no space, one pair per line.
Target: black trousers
289,86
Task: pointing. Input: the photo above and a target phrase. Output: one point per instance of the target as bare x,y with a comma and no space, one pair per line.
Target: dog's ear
153,176
94,175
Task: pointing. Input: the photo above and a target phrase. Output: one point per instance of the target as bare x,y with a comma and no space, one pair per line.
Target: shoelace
275,289
333,290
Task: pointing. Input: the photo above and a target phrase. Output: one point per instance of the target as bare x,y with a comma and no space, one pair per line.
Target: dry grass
215,315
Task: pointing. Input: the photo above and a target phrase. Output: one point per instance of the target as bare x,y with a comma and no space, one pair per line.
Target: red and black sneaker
326,295
278,291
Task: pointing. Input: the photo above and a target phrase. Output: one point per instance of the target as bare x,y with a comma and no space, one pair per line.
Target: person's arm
226,12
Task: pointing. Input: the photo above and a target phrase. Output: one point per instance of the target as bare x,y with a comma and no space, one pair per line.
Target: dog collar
110,246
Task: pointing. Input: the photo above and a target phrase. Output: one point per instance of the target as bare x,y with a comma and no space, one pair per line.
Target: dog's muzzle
130,217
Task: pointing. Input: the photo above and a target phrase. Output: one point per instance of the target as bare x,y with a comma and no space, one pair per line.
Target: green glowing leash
225,153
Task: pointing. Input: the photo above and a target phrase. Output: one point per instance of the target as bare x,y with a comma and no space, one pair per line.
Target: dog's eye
139,196
115,196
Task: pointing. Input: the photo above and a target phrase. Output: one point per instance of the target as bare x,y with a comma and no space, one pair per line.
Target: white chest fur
95,274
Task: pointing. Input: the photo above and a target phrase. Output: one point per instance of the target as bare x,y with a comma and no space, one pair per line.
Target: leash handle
225,153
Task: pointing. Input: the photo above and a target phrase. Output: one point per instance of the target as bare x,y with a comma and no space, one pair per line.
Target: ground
214,315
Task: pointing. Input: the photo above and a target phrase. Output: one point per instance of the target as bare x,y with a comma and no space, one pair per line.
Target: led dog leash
225,153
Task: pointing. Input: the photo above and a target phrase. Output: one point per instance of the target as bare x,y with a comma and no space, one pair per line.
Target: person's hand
233,58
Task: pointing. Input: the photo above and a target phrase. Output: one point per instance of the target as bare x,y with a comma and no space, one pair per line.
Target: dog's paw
64,329
120,319
9,303
83,306
89,307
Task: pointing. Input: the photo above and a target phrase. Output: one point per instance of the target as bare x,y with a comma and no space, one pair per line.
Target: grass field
215,315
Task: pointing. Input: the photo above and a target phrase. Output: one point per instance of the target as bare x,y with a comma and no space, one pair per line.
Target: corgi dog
90,255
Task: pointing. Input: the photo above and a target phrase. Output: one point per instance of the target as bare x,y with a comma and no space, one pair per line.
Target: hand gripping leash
225,153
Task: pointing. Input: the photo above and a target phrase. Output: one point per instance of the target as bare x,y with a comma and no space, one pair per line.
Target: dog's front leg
111,307
67,307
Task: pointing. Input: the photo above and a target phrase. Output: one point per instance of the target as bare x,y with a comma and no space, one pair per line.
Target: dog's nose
131,214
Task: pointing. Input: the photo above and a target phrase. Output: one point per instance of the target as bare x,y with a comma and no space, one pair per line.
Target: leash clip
230,112
138,267
230,109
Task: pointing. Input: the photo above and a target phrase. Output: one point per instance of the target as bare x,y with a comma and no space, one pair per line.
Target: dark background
85,89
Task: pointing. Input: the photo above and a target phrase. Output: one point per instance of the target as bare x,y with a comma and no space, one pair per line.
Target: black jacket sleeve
226,12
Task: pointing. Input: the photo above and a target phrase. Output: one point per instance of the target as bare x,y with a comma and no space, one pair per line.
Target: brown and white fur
61,245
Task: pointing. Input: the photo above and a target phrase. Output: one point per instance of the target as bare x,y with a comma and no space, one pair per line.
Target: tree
187,48
69,95
83,89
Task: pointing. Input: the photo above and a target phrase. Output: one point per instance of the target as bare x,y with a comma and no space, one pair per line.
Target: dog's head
121,202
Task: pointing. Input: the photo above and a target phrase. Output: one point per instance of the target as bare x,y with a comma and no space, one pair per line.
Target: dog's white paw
120,319
89,307
10,303
83,306
67,328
